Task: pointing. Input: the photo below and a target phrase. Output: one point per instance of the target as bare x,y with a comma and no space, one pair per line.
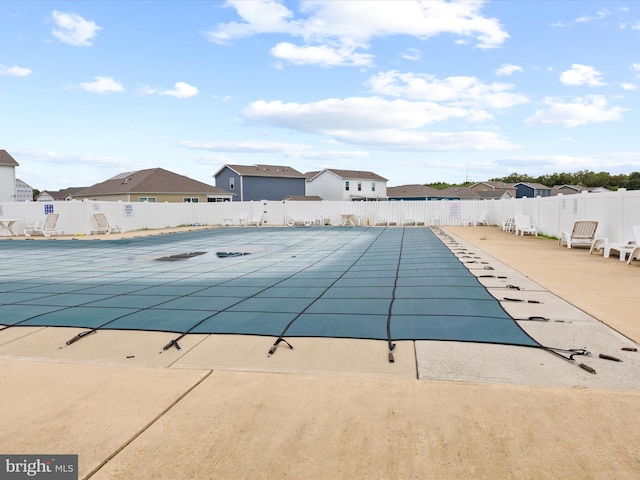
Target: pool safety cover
374,283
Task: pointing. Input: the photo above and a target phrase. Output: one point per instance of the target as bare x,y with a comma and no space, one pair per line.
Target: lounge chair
635,252
631,248
104,226
507,225
523,225
46,228
256,219
582,235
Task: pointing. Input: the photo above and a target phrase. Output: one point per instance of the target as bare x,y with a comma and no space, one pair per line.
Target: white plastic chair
583,234
47,228
522,225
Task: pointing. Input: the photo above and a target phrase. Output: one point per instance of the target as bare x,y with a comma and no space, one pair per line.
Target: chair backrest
50,222
522,220
636,233
584,229
101,220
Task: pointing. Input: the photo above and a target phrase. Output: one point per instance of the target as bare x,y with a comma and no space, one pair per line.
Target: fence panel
616,213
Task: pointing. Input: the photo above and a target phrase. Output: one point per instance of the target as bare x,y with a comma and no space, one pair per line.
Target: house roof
536,186
348,174
459,192
304,198
356,174
62,194
495,185
152,180
6,159
489,194
281,171
412,191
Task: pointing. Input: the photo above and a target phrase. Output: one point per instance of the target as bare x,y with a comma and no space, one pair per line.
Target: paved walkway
220,408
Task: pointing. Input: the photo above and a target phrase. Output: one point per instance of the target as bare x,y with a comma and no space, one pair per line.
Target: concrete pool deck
336,408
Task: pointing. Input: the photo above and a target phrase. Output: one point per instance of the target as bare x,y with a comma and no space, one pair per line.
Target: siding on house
260,182
331,184
532,190
7,177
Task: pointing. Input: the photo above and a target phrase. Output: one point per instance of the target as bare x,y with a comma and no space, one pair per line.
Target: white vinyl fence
617,212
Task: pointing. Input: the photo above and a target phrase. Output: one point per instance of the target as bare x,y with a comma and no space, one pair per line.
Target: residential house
153,185
493,186
24,192
260,182
346,185
573,189
413,192
495,194
532,190
64,195
303,198
458,193
7,177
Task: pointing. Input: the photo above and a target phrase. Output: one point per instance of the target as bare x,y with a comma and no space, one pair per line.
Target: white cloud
14,71
377,123
353,113
635,67
628,86
288,150
589,109
427,141
507,69
603,13
459,91
73,29
581,75
102,85
322,55
411,54
545,164
181,90
331,30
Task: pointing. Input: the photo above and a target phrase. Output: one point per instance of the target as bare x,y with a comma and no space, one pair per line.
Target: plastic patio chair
582,235
47,228
104,226
523,225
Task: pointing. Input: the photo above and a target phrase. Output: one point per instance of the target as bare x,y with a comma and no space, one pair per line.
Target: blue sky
416,91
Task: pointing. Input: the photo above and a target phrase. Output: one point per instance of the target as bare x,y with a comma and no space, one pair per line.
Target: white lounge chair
256,220
523,225
46,228
631,248
635,252
507,225
104,226
583,234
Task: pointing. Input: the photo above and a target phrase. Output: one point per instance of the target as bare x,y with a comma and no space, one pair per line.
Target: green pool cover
374,283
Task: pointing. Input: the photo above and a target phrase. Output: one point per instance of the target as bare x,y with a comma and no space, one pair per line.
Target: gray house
260,182
532,190
7,177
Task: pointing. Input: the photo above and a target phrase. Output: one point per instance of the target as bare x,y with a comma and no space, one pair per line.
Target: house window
190,200
346,185
359,186
373,186
232,184
147,199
